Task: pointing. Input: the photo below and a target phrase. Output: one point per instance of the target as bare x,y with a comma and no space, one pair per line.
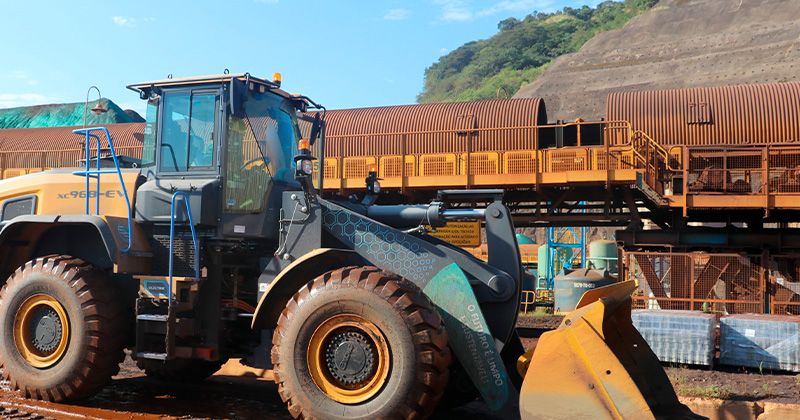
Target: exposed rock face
677,44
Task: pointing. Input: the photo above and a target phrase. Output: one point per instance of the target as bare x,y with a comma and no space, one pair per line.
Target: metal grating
722,284
482,163
785,287
773,169
183,251
520,162
395,167
357,167
331,169
564,160
437,165
617,159
717,283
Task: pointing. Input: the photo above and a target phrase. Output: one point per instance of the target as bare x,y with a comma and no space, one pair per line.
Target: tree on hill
522,49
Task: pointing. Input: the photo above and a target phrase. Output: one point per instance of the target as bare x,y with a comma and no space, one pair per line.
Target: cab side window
188,131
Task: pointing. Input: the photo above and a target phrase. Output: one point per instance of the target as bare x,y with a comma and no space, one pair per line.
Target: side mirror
316,128
238,97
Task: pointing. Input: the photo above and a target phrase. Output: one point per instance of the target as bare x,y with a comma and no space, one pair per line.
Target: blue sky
343,54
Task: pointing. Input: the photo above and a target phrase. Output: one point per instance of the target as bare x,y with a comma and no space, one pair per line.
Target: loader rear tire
180,370
357,344
63,329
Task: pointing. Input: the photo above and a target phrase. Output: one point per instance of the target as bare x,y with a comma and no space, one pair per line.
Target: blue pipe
88,173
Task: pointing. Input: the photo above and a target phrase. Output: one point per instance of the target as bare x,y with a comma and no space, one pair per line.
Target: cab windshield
260,146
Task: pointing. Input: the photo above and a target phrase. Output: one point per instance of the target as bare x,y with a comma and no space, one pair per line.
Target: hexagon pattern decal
385,247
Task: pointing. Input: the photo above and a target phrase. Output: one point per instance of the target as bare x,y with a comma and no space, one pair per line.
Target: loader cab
226,141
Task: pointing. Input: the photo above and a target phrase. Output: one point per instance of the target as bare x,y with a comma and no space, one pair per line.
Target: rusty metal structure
434,128
31,150
722,271
719,283
715,116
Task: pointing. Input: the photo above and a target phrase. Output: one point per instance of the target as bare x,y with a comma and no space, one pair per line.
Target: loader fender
287,282
596,365
84,236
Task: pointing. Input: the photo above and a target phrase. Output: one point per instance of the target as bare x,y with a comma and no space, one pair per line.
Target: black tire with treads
97,331
414,334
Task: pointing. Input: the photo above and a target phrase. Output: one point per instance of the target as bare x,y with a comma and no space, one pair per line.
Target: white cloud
13,100
444,51
454,11
397,14
130,22
23,75
123,21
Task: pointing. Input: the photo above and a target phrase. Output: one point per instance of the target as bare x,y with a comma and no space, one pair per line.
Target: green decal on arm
469,335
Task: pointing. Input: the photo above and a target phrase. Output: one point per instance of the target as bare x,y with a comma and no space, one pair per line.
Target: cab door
186,159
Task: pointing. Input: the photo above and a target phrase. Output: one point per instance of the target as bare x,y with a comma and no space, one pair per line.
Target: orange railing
754,170
16,163
469,160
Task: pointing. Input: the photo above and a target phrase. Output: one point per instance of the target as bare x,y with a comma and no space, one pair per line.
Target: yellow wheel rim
41,331
343,378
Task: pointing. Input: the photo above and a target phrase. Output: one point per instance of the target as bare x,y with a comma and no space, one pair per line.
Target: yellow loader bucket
597,366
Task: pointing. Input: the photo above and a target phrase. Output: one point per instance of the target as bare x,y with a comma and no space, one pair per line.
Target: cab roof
256,83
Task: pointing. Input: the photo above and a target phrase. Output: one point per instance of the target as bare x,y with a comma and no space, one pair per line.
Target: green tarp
63,115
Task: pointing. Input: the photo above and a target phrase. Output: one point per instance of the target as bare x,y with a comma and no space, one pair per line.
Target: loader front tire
63,329
357,344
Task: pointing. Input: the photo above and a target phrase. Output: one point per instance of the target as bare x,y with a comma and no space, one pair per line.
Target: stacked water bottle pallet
760,341
678,336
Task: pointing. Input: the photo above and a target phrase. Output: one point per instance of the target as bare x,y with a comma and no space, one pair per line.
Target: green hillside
62,115
522,49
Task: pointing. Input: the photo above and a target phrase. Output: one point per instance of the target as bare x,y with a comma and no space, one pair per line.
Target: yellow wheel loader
219,245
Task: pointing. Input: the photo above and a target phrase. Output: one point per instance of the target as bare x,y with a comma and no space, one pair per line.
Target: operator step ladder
163,300
158,326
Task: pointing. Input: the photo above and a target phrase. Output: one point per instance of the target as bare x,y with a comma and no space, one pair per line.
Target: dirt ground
134,396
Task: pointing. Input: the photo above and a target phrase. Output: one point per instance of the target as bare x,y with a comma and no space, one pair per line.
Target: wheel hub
349,357
45,330
41,331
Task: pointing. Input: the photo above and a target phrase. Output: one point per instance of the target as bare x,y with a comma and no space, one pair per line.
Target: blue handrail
95,173
172,237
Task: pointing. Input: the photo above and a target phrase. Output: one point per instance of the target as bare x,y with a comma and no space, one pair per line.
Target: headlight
376,187
307,166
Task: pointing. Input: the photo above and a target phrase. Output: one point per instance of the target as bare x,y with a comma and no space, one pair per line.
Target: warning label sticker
465,234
